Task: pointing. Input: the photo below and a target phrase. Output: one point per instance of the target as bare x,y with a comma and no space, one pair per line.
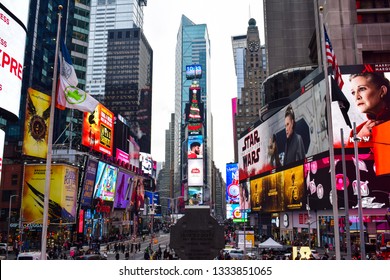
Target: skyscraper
108,15
192,47
250,73
119,71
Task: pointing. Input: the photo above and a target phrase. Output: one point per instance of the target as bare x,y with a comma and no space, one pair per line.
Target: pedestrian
127,255
117,255
146,254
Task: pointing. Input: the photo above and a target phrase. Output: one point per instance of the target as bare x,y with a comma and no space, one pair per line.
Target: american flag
331,57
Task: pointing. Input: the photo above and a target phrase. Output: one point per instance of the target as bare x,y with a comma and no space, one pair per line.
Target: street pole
308,220
346,203
9,220
45,222
359,195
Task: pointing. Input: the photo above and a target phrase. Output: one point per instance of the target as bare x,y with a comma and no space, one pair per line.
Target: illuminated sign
193,71
14,17
98,130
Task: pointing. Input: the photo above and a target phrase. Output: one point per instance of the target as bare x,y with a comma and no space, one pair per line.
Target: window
14,179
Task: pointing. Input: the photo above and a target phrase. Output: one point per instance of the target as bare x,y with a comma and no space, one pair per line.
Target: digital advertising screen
369,112
357,112
146,161
195,195
123,190
105,183
273,144
244,195
193,71
98,130
89,183
233,212
195,172
374,189
194,109
195,146
13,31
232,183
133,152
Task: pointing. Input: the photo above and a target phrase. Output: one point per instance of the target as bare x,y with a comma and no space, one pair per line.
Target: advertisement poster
133,152
273,145
13,30
89,183
36,125
233,212
105,183
374,189
146,163
63,194
123,190
232,188
98,130
356,113
195,195
294,188
195,172
195,146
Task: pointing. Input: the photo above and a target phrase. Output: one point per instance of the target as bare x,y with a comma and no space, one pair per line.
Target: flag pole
330,137
50,144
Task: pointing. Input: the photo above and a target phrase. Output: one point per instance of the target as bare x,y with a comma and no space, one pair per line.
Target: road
162,239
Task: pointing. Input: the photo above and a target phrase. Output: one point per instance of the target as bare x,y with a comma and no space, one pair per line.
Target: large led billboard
133,152
195,195
195,146
13,30
36,125
195,172
105,183
194,109
98,130
281,191
89,183
63,193
193,71
358,111
123,190
288,137
233,212
146,161
374,189
232,188
368,95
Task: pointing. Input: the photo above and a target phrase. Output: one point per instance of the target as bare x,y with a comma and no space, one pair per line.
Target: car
237,254
90,257
315,254
3,248
31,256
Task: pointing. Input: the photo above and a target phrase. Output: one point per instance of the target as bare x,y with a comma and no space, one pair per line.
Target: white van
31,256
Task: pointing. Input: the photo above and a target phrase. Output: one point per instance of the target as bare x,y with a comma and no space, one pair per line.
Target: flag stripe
331,58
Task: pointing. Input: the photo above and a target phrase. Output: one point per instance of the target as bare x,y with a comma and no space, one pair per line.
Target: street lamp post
9,220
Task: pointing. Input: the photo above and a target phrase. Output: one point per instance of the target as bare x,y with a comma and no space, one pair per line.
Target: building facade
192,47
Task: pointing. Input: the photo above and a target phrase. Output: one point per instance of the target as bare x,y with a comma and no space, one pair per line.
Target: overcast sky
224,19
